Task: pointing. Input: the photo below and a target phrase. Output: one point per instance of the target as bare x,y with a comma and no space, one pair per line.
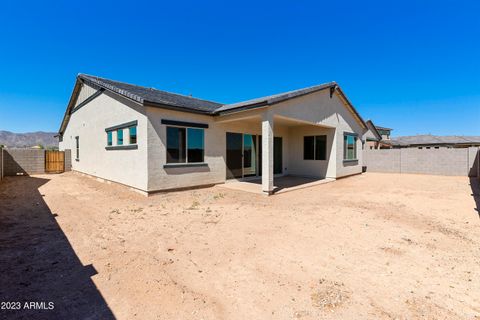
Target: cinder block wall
23,161
443,161
382,160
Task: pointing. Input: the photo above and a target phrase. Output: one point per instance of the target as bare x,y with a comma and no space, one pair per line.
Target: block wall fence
442,161
26,162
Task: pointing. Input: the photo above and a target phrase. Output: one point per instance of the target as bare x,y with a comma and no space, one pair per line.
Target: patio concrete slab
281,184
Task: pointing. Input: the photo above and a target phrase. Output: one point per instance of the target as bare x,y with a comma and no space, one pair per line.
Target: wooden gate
54,161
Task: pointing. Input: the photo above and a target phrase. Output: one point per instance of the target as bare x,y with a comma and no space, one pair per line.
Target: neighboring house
428,141
384,132
154,140
377,137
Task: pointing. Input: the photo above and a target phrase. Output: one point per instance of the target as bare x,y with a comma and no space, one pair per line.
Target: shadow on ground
475,185
287,182
37,262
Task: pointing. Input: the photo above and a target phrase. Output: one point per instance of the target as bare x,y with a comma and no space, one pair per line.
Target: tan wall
144,168
23,161
311,168
89,123
456,162
320,109
215,150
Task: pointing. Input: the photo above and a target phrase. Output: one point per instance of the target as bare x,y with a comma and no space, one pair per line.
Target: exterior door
277,155
234,155
249,155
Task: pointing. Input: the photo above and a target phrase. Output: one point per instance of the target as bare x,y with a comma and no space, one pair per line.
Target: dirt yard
375,246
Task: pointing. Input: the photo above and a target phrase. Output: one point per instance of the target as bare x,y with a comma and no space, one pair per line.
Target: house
377,137
427,141
384,132
153,140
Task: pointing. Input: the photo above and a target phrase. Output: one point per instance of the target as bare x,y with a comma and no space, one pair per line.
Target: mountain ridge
28,139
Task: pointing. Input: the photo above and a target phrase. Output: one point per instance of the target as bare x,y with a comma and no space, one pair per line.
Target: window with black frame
315,147
185,145
109,138
132,134
349,146
77,148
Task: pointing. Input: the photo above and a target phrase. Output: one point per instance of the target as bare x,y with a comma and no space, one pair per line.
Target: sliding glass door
249,155
234,155
244,155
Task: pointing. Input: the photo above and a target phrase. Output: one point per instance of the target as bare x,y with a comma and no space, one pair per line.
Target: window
132,133
315,147
185,145
119,137
109,138
349,147
195,144
320,147
308,148
77,148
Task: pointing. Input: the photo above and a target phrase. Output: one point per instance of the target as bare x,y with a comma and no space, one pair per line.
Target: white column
267,152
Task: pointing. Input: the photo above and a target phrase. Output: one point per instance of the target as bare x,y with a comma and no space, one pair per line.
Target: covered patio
271,153
281,184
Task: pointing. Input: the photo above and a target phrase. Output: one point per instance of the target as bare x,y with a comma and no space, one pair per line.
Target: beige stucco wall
318,108
161,178
311,168
144,169
89,122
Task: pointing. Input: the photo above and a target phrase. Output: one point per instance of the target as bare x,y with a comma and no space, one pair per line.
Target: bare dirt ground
374,246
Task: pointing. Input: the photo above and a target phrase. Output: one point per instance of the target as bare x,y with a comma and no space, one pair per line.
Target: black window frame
183,146
345,146
311,152
109,138
77,148
118,137
130,135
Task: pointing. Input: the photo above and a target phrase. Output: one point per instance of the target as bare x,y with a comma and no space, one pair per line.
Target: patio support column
267,152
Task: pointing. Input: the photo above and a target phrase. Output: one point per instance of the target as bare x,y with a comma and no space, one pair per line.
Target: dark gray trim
185,124
243,108
185,165
345,133
122,126
122,147
93,96
147,103
350,160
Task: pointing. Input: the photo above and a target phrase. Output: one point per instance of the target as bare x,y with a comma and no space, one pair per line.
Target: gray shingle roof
274,98
373,129
153,96
427,139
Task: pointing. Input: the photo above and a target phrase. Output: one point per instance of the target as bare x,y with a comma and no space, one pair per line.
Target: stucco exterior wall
89,122
161,178
320,109
145,169
311,168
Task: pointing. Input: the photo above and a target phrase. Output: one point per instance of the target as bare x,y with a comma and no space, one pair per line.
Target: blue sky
410,65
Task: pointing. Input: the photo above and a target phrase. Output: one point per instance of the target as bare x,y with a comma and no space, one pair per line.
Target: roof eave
71,102
147,103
